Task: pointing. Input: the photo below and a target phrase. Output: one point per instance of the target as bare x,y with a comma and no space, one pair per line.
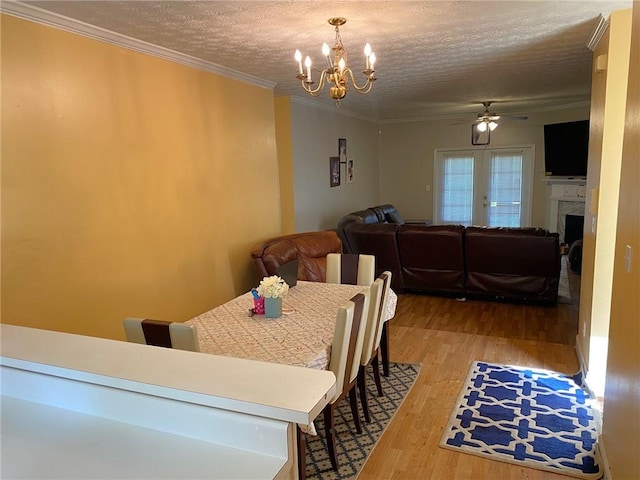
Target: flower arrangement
272,287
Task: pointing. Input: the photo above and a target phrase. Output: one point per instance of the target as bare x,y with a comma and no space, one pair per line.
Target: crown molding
462,116
310,102
598,32
38,15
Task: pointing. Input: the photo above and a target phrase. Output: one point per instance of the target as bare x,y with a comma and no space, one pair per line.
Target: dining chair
373,334
351,268
346,351
161,333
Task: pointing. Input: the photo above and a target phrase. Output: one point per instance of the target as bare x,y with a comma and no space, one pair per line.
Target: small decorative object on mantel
272,288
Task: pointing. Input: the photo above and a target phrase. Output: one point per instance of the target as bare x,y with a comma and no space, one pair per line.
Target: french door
489,187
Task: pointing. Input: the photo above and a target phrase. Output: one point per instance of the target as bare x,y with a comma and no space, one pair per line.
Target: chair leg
376,374
362,387
329,435
353,400
384,349
302,454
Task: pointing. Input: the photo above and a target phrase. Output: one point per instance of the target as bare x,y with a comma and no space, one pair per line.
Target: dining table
302,336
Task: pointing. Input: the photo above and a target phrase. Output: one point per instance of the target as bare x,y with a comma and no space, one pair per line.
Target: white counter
84,407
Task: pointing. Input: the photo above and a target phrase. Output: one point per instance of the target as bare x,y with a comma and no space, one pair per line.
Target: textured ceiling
435,58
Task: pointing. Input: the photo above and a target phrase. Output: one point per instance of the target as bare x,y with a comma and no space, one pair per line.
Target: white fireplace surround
565,200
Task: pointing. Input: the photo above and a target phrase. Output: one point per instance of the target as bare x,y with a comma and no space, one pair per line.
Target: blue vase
272,307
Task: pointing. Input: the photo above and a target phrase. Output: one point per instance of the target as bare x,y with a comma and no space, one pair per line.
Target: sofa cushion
514,263
367,217
432,257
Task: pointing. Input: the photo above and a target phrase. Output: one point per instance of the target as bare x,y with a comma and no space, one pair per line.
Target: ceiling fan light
493,125
482,127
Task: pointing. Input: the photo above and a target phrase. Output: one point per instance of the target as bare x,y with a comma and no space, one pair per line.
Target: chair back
348,338
373,321
160,333
386,287
350,268
361,301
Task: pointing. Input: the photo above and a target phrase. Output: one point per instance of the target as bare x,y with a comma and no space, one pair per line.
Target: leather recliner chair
309,248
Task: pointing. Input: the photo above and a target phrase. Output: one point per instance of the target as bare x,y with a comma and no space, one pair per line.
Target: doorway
490,187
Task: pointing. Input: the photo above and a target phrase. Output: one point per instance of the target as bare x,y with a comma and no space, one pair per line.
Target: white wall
395,164
315,133
407,151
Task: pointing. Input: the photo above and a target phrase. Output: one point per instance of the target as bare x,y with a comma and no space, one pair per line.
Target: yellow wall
285,163
609,90
131,186
596,125
621,422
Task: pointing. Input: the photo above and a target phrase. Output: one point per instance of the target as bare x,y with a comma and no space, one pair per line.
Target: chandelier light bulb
482,127
307,63
372,60
325,49
342,64
367,50
492,125
298,57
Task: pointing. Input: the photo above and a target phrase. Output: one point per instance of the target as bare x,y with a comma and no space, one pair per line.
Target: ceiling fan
487,120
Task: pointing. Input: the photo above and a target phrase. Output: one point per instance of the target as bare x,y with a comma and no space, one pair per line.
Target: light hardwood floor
445,336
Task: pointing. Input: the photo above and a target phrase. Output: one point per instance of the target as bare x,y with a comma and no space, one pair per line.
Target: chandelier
337,71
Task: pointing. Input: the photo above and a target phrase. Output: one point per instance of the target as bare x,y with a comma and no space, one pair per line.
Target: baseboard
584,368
601,452
604,461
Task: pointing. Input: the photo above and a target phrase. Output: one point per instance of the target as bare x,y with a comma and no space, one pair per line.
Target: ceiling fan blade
516,117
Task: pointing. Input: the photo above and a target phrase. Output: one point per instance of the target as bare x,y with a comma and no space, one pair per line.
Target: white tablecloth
302,338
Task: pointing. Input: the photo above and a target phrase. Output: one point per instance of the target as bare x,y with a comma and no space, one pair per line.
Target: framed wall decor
334,171
342,150
479,137
350,172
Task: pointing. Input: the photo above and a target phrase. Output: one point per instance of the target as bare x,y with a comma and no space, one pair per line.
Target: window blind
505,190
457,195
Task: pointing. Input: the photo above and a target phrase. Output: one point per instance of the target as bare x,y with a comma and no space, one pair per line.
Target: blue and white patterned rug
529,417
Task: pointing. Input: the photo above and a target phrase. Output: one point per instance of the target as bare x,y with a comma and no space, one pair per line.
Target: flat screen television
566,149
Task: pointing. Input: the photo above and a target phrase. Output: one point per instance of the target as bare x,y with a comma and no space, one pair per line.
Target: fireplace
566,210
567,201
573,228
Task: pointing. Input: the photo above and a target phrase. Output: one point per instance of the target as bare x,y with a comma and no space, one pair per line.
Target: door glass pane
505,190
457,189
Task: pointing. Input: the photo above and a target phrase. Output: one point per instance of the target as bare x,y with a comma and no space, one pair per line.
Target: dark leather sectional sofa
515,264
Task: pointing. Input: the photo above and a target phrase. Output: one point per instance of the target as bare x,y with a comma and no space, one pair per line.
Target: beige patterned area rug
353,449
